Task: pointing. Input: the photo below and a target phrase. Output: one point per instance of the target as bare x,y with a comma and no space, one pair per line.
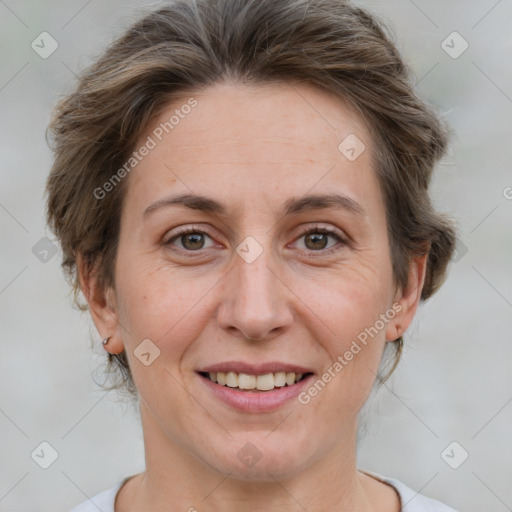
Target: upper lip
255,369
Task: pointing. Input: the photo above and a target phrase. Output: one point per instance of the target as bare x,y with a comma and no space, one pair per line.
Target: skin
251,148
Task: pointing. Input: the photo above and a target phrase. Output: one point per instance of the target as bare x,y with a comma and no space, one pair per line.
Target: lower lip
258,401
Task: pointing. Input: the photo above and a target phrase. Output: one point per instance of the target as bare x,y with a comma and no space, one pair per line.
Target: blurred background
442,424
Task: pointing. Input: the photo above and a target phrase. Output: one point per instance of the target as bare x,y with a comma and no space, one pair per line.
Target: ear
408,298
102,306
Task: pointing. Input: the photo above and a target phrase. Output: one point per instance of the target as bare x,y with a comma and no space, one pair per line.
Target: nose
256,302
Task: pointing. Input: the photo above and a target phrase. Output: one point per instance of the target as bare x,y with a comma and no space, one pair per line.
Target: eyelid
327,230
183,231
322,229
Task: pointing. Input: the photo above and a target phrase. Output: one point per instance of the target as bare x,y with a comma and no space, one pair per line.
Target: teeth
265,382
260,382
280,379
247,381
232,379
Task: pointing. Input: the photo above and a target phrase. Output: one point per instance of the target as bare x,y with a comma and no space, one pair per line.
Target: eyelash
327,231
306,231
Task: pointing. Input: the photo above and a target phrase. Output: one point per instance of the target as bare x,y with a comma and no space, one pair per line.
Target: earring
105,341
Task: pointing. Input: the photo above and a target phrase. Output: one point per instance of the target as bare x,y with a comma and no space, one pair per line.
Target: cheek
167,306
347,299
353,338
347,306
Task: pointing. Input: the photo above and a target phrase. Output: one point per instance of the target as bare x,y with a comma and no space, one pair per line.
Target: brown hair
189,44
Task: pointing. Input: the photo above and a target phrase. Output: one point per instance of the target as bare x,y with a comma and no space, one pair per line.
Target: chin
258,458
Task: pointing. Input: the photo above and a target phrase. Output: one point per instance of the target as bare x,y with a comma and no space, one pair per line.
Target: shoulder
412,501
103,501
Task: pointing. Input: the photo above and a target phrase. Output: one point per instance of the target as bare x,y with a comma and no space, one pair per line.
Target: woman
240,189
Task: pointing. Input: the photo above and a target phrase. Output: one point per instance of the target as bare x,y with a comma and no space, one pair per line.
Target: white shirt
410,500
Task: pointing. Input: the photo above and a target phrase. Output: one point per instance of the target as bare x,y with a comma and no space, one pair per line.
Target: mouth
254,388
255,383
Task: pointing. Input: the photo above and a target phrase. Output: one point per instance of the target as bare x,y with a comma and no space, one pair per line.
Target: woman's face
246,290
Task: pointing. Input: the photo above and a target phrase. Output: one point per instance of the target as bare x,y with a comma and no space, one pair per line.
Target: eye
316,239
191,239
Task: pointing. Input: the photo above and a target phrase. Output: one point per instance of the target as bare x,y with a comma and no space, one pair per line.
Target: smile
254,388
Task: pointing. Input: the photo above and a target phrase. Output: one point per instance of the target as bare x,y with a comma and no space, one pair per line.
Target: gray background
454,383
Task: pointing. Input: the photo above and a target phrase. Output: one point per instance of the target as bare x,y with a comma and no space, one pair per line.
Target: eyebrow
293,205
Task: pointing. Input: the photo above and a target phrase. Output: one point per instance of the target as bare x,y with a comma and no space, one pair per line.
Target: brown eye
190,240
317,239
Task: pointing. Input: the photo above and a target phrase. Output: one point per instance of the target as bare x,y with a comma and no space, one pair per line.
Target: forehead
257,142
